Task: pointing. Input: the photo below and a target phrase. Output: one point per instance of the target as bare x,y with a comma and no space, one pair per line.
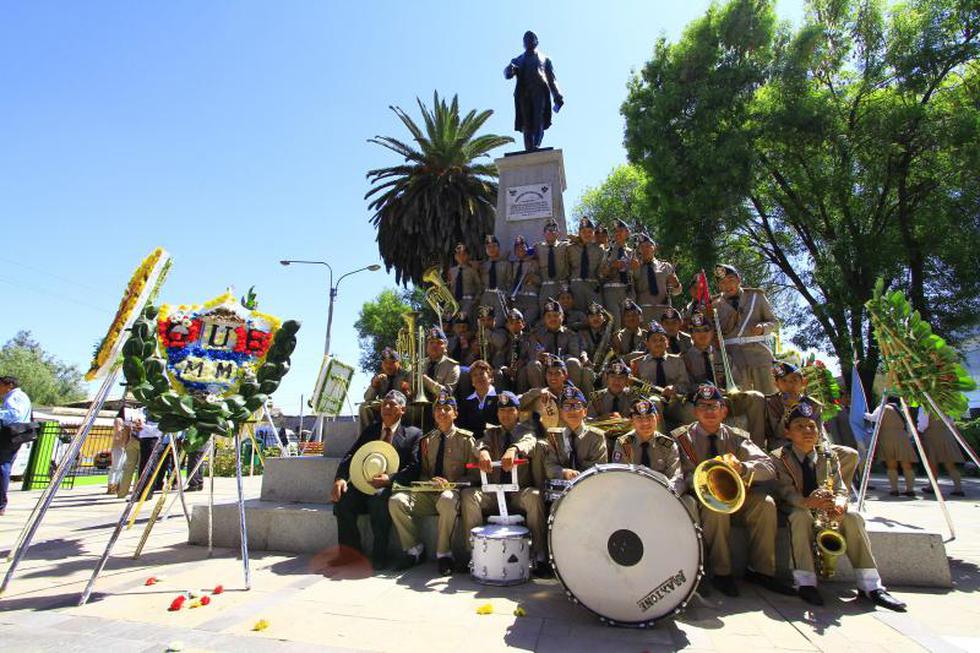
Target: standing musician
496,279
391,377
615,272
553,338
747,321
527,281
349,502
653,279
709,438
803,472
643,445
584,258
443,454
480,408
579,446
612,402
628,343
666,371
512,354
464,280
678,342
506,442
552,256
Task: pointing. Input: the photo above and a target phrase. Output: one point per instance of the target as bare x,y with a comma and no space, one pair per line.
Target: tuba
437,295
718,487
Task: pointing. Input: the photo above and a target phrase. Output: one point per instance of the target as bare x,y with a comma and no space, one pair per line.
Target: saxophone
828,542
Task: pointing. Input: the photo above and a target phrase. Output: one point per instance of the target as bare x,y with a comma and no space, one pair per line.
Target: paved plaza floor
309,606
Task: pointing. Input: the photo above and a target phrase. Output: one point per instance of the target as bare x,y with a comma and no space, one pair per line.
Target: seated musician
596,333
629,342
678,342
572,318
461,345
643,445
612,402
488,337
802,474
556,380
480,408
666,371
512,353
349,502
579,446
708,438
554,339
391,377
699,358
441,371
443,454
505,442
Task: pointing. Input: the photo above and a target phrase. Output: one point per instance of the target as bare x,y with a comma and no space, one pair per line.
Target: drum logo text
662,590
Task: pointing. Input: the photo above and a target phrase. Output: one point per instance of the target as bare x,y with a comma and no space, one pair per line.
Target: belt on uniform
467,297
614,285
527,294
745,340
580,279
550,281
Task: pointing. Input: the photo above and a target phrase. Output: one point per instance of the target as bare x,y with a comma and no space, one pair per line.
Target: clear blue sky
234,134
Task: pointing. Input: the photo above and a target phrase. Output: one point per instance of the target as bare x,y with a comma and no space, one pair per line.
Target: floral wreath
205,369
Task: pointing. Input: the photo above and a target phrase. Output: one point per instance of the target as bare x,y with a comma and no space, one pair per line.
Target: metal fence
51,444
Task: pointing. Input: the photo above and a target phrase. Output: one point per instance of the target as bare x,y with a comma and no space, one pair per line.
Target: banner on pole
859,407
331,387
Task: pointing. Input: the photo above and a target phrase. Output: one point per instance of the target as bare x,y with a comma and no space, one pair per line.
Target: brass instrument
405,340
483,341
515,355
418,369
828,542
604,352
612,427
717,485
730,385
644,387
438,295
429,486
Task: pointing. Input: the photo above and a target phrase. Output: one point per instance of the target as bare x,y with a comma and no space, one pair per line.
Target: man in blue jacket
15,412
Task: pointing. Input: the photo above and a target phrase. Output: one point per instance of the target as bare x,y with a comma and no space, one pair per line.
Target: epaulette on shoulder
739,432
464,432
679,431
452,360
666,440
593,429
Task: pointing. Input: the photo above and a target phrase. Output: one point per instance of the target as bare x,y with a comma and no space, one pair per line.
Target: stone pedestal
531,188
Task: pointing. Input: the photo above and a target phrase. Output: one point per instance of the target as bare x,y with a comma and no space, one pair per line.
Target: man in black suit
349,502
480,408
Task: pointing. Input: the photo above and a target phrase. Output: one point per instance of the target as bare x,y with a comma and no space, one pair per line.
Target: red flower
177,603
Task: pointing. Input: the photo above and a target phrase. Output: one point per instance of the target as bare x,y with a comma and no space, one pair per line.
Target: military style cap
571,394
723,270
643,406
620,224
485,311
699,322
552,306
618,368
396,396
460,247
555,361
491,240
435,333
655,328
507,399
445,399
585,222
781,369
805,407
390,354
670,313
564,288
594,308
551,225
644,238
515,314
707,392
601,229
630,305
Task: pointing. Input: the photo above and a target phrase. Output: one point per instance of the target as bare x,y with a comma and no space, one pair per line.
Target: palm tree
439,196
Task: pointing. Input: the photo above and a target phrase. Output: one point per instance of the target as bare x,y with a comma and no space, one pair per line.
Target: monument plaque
528,202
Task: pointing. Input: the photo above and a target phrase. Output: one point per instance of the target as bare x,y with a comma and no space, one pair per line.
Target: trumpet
718,486
429,486
644,387
438,295
612,427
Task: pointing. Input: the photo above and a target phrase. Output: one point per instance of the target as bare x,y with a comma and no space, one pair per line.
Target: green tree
621,196
47,380
380,320
440,195
841,152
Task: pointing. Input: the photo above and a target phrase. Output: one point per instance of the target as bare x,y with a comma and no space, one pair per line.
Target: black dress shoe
768,582
884,599
407,561
893,493
542,569
909,493
725,584
958,493
810,594
379,563
446,566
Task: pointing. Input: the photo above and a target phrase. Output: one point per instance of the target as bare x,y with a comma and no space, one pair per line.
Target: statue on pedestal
533,92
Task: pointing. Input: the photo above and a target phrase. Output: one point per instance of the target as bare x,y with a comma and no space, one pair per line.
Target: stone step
300,479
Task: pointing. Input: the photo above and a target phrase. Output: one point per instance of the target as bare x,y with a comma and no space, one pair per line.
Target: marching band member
592,334
461,345
495,278
699,358
666,371
894,446
802,474
512,353
678,342
349,502
443,454
553,338
505,442
464,280
579,446
479,409
615,272
441,371
614,400
584,257
527,281
572,318
653,279
629,342
645,446
747,321
552,256
391,377
707,438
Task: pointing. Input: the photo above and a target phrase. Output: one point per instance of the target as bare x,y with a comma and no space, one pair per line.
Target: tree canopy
842,151
47,380
380,320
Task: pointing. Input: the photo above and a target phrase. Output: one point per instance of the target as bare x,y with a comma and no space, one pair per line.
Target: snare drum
554,488
624,546
501,554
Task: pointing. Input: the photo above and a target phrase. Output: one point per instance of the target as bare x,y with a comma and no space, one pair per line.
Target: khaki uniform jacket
590,449
788,486
590,340
607,272
603,402
693,444
664,456
625,342
472,286
552,341
527,267
574,253
504,345
522,439
561,260
505,279
663,271
394,383
459,450
753,310
674,370
447,376
679,344
694,362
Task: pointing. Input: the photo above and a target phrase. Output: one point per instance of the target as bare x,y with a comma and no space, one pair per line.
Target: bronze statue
533,91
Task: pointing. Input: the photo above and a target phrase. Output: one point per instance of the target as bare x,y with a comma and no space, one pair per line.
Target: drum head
624,546
500,531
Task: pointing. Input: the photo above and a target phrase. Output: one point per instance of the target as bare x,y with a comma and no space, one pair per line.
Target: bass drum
624,546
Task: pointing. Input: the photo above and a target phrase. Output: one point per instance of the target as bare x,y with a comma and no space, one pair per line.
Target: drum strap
628,451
